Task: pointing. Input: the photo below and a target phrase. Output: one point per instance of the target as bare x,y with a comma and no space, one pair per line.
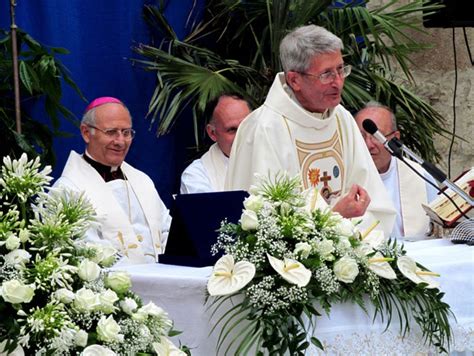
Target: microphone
396,147
393,146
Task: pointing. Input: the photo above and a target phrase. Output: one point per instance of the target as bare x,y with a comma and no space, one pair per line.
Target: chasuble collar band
106,172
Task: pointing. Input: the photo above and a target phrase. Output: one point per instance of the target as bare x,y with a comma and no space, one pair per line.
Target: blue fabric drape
99,35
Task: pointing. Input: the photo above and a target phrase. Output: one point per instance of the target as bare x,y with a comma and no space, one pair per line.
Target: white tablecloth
348,330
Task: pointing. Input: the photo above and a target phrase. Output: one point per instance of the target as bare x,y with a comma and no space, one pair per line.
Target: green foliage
41,76
236,47
274,310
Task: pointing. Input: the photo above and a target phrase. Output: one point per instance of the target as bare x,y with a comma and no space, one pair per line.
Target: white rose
128,305
253,202
346,269
343,244
120,282
16,292
12,242
249,220
108,330
303,249
325,249
107,300
64,295
97,350
166,348
88,270
80,339
345,227
153,310
86,300
108,256
17,257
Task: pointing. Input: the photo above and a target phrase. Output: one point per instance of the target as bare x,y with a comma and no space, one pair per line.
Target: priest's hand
354,203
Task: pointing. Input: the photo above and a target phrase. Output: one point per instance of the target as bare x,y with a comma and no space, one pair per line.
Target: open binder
196,219
442,210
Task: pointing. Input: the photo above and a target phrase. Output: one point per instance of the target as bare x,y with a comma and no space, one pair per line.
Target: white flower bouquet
56,296
290,255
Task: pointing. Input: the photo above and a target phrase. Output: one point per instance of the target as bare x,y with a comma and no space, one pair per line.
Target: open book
442,209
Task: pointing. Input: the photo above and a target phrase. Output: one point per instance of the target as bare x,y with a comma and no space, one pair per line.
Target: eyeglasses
370,137
127,134
329,76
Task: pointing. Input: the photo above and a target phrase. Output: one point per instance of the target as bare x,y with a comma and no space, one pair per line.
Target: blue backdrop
100,35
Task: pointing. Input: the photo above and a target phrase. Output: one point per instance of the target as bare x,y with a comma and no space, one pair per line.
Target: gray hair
298,48
376,104
89,117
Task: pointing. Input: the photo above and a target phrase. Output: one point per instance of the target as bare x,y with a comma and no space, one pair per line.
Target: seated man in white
131,216
207,174
406,189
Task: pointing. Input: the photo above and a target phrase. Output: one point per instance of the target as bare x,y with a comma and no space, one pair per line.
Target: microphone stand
396,147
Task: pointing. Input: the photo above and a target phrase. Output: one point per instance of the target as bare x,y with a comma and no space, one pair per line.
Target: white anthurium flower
407,266
291,270
375,238
249,220
229,277
166,348
97,350
380,266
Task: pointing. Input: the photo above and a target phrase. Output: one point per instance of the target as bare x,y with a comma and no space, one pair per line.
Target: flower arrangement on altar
291,257
56,296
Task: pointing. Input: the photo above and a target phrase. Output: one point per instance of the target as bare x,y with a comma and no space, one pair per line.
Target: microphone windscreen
369,126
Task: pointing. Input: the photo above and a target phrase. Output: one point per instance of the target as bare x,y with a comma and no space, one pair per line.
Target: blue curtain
100,35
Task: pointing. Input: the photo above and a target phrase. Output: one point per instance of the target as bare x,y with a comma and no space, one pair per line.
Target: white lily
229,277
409,269
380,266
166,348
291,270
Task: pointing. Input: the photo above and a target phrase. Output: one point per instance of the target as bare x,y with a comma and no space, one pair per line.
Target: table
349,331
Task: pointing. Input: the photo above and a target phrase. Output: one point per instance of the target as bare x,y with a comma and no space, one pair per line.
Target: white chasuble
326,150
118,205
215,163
412,194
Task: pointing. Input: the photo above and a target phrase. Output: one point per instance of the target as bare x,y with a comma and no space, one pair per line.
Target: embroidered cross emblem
326,189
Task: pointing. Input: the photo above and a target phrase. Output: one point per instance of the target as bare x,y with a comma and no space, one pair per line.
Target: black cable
454,103
467,46
435,186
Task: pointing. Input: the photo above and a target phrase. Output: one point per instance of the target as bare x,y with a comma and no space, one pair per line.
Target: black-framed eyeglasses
127,134
329,76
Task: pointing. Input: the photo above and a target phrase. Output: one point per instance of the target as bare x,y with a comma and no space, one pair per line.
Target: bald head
384,118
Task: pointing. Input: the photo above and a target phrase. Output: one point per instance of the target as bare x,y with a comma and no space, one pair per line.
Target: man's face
228,115
308,89
381,117
107,150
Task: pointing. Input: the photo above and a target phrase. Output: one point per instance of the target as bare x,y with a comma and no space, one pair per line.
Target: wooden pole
16,79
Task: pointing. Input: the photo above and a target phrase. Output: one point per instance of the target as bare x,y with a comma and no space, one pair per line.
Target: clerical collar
391,168
106,172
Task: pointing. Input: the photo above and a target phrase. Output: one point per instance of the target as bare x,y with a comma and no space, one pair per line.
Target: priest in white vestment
131,216
407,190
303,130
207,174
